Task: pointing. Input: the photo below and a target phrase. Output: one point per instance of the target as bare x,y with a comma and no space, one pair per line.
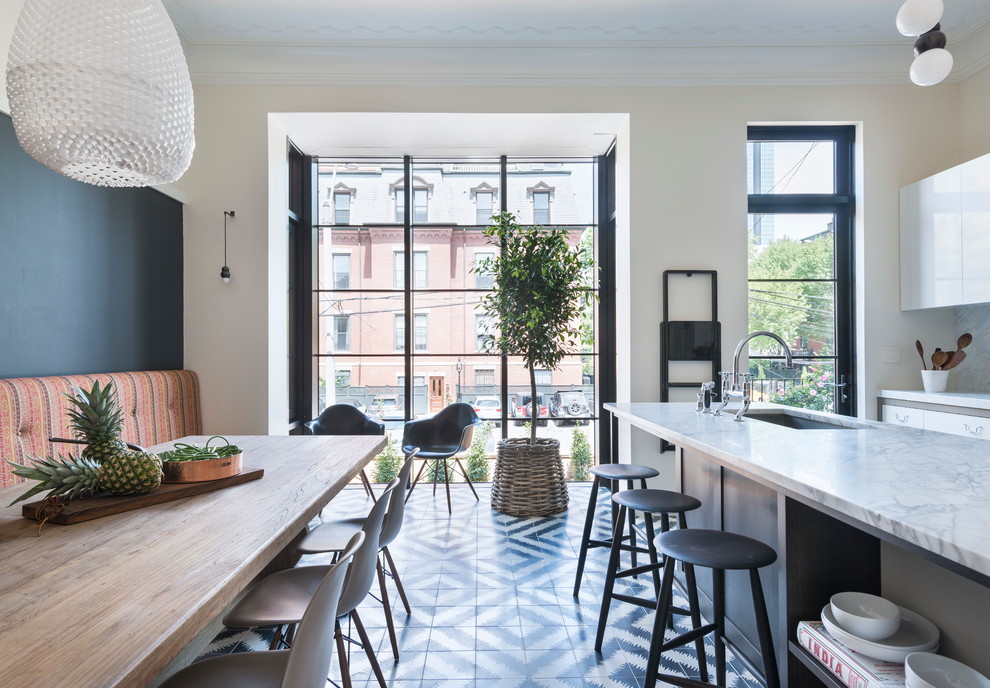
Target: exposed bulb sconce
932,62
225,271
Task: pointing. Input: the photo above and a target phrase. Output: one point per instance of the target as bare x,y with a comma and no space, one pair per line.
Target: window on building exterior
342,208
420,332
341,271
420,205
541,207
543,377
341,333
801,264
483,279
420,266
484,326
484,200
484,377
399,329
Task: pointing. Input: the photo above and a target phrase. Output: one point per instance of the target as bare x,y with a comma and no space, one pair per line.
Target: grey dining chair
281,598
331,536
344,419
439,438
305,665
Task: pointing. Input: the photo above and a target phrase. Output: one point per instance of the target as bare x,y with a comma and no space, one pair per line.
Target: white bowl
927,670
866,616
915,634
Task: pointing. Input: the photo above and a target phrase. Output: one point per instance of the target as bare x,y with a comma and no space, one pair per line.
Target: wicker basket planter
529,479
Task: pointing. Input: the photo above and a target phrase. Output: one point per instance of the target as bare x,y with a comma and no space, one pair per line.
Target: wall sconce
225,271
932,62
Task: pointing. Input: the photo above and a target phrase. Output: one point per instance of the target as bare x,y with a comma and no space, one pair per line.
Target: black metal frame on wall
605,364
842,204
90,277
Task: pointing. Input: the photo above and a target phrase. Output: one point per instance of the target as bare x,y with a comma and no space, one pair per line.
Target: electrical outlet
891,354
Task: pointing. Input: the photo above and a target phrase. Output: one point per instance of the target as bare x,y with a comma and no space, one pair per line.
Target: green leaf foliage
477,456
388,463
580,456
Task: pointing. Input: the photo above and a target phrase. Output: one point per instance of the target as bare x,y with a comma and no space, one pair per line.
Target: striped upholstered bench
158,405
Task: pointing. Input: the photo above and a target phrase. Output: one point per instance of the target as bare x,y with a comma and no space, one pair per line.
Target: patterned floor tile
492,603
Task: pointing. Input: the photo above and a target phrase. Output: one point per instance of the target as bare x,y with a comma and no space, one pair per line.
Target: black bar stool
719,551
612,473
649,502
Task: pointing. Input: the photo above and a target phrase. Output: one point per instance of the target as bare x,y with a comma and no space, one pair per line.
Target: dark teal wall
90,278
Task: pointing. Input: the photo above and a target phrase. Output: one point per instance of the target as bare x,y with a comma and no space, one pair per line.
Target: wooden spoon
964,341
921,352
939,359
956,359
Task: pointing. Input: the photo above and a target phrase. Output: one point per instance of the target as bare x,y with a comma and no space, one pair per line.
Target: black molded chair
438,439
344,419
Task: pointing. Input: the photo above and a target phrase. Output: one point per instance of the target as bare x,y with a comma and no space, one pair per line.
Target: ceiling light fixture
932,62
99,91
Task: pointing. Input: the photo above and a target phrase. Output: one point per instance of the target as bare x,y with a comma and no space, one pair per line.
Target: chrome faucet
736,385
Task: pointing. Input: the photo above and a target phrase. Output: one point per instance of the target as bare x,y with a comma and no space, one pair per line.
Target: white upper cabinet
945,238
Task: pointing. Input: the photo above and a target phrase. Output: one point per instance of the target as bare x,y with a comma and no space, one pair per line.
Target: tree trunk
535,413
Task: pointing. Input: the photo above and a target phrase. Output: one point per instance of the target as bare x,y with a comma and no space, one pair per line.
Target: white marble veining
964,400
925,488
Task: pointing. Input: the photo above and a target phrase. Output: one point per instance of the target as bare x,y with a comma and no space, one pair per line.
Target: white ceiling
619,42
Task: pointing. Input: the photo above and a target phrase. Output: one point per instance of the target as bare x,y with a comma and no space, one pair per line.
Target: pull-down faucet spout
731,387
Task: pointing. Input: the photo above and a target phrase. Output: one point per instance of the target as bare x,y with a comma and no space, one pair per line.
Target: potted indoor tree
536,307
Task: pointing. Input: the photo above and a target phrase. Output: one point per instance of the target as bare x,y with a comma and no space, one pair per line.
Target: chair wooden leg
398,582
368,650
388,611
446,483
418,476
367,485
464,473
345,672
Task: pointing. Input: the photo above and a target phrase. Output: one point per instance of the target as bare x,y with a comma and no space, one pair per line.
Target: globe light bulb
225,274
917,16
931,66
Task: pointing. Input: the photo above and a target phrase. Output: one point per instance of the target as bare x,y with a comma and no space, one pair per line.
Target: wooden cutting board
88,508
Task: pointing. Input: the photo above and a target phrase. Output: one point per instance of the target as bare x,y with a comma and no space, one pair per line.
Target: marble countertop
925,488
965,400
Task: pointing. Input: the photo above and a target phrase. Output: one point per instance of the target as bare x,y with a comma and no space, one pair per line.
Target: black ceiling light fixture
932,62
225,271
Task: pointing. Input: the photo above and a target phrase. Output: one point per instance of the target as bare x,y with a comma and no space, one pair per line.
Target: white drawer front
903,415
958,424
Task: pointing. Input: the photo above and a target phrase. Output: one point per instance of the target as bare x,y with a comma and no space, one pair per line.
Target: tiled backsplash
973,374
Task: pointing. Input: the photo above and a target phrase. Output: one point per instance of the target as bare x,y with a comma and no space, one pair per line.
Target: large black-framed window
801,263
430,299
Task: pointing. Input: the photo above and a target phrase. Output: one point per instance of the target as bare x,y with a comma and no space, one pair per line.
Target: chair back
344,419
452,429
397,504
361,574
312,648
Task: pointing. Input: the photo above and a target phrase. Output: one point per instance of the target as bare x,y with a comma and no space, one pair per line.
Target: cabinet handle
973,431
903,419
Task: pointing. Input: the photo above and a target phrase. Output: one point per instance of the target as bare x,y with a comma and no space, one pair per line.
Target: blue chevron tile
500,664
499,638
447,639
449,665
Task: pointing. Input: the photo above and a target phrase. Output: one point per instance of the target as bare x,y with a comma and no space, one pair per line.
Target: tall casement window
800,229
401,314
341,207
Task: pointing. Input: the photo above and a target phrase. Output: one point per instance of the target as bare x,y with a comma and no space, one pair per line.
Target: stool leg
651,545
695,609
718,600
613,565
632,530
664,527
763,629
589,519
664,602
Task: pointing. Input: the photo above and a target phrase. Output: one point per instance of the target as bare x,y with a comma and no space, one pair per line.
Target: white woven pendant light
99,91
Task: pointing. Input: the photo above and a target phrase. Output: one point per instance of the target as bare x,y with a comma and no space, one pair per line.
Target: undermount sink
796,422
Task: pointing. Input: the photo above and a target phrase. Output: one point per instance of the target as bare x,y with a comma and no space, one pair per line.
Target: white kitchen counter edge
964,400
925,488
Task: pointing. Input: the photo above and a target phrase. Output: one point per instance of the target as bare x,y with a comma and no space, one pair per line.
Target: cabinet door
931,242
958,424
903,415
976,230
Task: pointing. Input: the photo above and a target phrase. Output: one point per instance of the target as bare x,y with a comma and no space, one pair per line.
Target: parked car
521,405
488,408
386,407
566,406
352,401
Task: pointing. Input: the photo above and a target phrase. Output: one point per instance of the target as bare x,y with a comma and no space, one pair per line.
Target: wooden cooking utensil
921,352
939,359
964,341
956,359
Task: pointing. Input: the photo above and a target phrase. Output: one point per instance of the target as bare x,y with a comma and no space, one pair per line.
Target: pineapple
98,420
123,473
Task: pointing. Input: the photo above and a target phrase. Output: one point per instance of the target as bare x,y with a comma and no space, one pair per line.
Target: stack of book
851,668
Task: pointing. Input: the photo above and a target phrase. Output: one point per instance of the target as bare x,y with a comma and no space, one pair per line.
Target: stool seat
715,549
624,471
656,501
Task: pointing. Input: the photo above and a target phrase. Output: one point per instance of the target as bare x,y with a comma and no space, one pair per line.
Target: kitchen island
832,501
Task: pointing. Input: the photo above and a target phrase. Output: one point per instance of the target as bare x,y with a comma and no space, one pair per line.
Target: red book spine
828,657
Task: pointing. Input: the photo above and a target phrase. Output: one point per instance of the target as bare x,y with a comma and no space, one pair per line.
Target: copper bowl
201,471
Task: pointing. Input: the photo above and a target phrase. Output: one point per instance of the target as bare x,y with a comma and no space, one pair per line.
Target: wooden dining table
120,600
